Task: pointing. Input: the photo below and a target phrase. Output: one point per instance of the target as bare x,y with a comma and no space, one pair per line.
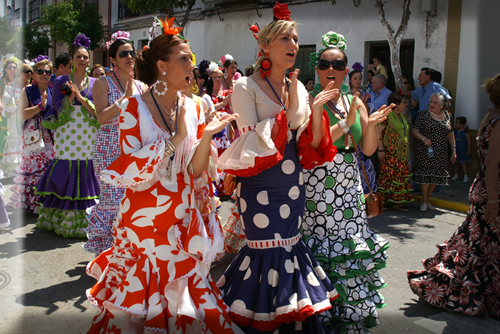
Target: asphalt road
43,280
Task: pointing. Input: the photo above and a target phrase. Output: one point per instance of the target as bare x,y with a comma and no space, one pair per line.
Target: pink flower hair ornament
125,35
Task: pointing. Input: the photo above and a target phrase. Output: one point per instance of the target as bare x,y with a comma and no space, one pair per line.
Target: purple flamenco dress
69,186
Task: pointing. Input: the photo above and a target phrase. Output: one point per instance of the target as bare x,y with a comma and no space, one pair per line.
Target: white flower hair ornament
225,57
212,67
333,40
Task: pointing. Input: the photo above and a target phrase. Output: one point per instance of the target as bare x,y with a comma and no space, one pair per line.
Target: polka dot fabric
432,170
265,287
106,149
336,230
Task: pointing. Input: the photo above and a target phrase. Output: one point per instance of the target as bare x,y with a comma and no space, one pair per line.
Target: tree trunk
395,39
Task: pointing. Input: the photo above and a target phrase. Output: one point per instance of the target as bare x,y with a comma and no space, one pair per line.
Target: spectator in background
437,77
62,67
249,70
378,68
97,71
380,93
422,94
309,84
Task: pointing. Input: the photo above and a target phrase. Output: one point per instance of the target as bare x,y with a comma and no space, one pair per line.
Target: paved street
43,280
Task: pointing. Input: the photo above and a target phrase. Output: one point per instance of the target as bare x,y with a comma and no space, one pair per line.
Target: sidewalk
455,196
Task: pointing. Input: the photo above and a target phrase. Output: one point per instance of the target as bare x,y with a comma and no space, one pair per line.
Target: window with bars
35,10
302,60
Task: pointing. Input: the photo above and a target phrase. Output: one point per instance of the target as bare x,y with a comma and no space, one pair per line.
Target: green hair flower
333,40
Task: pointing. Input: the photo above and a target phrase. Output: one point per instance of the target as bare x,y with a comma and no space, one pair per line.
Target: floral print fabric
151,280
463,276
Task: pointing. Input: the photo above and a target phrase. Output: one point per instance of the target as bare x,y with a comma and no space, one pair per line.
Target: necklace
228,87
438,117
288,133
116,78
347,136
171,114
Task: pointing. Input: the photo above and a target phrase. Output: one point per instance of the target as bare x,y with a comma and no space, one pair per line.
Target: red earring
265,66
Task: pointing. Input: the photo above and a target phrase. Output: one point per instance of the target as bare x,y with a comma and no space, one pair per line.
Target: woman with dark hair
199,82
155,277
463,276
34,102
69,187
433,129
335,224
229,69
108,93
274,283
8,76
394,180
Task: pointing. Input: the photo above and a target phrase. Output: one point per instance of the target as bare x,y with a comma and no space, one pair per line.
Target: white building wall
358,25
478,58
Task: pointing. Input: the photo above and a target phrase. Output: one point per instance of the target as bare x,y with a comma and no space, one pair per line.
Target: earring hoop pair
161,82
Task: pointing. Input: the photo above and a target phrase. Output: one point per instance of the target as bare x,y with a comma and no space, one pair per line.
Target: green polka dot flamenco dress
336,229
69,186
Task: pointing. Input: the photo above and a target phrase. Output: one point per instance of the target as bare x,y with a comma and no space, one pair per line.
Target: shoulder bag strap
361,164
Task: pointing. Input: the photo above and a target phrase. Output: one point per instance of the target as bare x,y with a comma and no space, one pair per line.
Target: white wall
358,25
478,57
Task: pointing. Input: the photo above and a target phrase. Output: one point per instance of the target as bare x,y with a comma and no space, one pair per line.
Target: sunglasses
406,82
338,64
28,71
11,68
41,72
125,54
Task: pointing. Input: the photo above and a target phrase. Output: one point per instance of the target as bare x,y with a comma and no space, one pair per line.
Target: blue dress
462,147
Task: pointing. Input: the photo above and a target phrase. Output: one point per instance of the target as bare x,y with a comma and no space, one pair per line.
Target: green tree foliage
36,42
7,37
66,19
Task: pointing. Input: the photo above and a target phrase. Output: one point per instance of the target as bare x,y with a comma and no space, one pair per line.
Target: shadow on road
36,240
64,292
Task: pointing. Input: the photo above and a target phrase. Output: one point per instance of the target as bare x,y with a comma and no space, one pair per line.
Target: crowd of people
137,158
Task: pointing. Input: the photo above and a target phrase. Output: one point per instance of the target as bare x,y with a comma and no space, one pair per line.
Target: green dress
336,230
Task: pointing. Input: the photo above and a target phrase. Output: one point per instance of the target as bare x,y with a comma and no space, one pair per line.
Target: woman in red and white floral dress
463,276
156,278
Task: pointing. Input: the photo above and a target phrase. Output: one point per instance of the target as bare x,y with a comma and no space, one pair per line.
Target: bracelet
39,105
344,126
380,150
453,145
117,104
169,147
381,139
493,201
423,138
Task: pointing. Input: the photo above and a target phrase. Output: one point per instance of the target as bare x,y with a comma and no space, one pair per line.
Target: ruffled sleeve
9,99
308,156
261,144
138,162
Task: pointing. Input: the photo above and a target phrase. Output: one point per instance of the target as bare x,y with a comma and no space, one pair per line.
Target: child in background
378,68
462,139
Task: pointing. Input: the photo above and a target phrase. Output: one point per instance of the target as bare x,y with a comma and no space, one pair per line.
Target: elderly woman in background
463,275
97,71
394,180
12,150
432,129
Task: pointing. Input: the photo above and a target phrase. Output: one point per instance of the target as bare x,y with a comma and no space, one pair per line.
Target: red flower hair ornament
281,12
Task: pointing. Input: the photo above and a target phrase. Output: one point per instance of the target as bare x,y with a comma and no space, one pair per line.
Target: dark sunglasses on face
406,82
28,71
41,72
125,54
11,68
338,64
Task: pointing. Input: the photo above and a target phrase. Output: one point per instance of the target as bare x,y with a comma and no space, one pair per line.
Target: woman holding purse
335,224
37,147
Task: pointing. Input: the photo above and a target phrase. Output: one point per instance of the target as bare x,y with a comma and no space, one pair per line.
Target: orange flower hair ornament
160,27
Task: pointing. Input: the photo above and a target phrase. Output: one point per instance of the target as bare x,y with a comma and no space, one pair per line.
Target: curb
444,204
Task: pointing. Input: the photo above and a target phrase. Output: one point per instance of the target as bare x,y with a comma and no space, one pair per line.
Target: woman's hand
72,96
44,99
129,86
294,95
322,98
353,111
77,92
381,155
427,142
453,156
491,212
218,123
227,100
380,115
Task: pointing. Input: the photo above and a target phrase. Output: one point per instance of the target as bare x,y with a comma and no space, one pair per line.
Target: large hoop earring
265,66
116,72
73,68
195,89
160,82
344,88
